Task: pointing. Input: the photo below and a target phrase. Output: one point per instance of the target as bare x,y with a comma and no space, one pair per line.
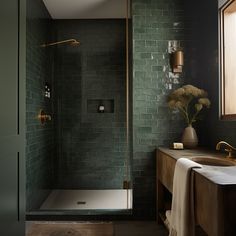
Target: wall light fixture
177,61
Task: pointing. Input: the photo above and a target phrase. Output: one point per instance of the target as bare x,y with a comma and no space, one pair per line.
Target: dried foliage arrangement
189,100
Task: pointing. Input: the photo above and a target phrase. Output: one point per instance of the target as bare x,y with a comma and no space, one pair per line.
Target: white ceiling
86,9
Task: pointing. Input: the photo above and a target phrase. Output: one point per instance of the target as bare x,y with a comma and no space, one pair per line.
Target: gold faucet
229,148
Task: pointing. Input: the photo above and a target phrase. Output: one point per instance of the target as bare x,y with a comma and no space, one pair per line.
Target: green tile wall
91,147
155,23
40,140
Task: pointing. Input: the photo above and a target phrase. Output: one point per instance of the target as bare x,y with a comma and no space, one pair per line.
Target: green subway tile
152,120
145,55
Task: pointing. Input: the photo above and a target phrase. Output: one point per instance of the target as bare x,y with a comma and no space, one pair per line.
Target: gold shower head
72,42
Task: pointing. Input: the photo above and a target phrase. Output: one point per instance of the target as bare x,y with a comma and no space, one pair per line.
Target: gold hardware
178,61
229,148
43,117
126,184
72,42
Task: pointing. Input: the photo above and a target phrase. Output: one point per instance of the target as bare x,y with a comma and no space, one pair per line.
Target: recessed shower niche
83,154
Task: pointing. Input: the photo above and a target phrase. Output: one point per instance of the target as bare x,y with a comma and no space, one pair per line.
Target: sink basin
213,161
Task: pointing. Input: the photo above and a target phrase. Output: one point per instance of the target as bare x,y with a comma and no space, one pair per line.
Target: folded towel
182,221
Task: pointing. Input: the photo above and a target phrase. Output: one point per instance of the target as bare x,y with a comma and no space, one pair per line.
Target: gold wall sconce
177,61
43,117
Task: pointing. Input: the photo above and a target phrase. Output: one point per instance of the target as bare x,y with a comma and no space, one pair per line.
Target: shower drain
81,203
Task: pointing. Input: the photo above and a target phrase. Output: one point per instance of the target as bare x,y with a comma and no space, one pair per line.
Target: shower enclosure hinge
126,184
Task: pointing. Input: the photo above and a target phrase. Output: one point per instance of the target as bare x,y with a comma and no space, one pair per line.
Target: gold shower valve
43,117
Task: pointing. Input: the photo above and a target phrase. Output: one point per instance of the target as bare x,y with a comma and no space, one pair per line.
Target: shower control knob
43,117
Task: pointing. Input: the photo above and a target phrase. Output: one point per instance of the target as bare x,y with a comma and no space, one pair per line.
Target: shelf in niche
93,105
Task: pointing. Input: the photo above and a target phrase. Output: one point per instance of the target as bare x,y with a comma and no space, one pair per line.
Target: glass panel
86,92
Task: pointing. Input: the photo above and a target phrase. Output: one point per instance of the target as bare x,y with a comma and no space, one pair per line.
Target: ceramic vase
189,137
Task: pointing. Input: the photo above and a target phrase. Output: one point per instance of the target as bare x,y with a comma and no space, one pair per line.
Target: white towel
182,222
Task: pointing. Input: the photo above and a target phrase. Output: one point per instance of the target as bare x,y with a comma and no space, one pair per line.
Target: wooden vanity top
220,175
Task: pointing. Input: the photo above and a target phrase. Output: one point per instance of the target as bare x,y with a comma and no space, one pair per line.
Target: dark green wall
211,129
91,147
12,119
40,139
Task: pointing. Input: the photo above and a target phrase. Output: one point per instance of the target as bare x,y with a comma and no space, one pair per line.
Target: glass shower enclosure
87,111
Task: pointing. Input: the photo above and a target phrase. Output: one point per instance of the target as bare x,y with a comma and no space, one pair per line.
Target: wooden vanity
214,190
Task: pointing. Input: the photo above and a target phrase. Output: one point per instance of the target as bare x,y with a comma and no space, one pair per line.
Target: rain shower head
72,42
75,43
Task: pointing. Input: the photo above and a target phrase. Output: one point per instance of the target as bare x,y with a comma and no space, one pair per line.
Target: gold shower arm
73,42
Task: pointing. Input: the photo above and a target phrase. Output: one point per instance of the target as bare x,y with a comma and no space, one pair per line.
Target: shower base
116,199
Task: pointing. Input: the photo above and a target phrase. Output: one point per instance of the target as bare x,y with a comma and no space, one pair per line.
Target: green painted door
12,117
